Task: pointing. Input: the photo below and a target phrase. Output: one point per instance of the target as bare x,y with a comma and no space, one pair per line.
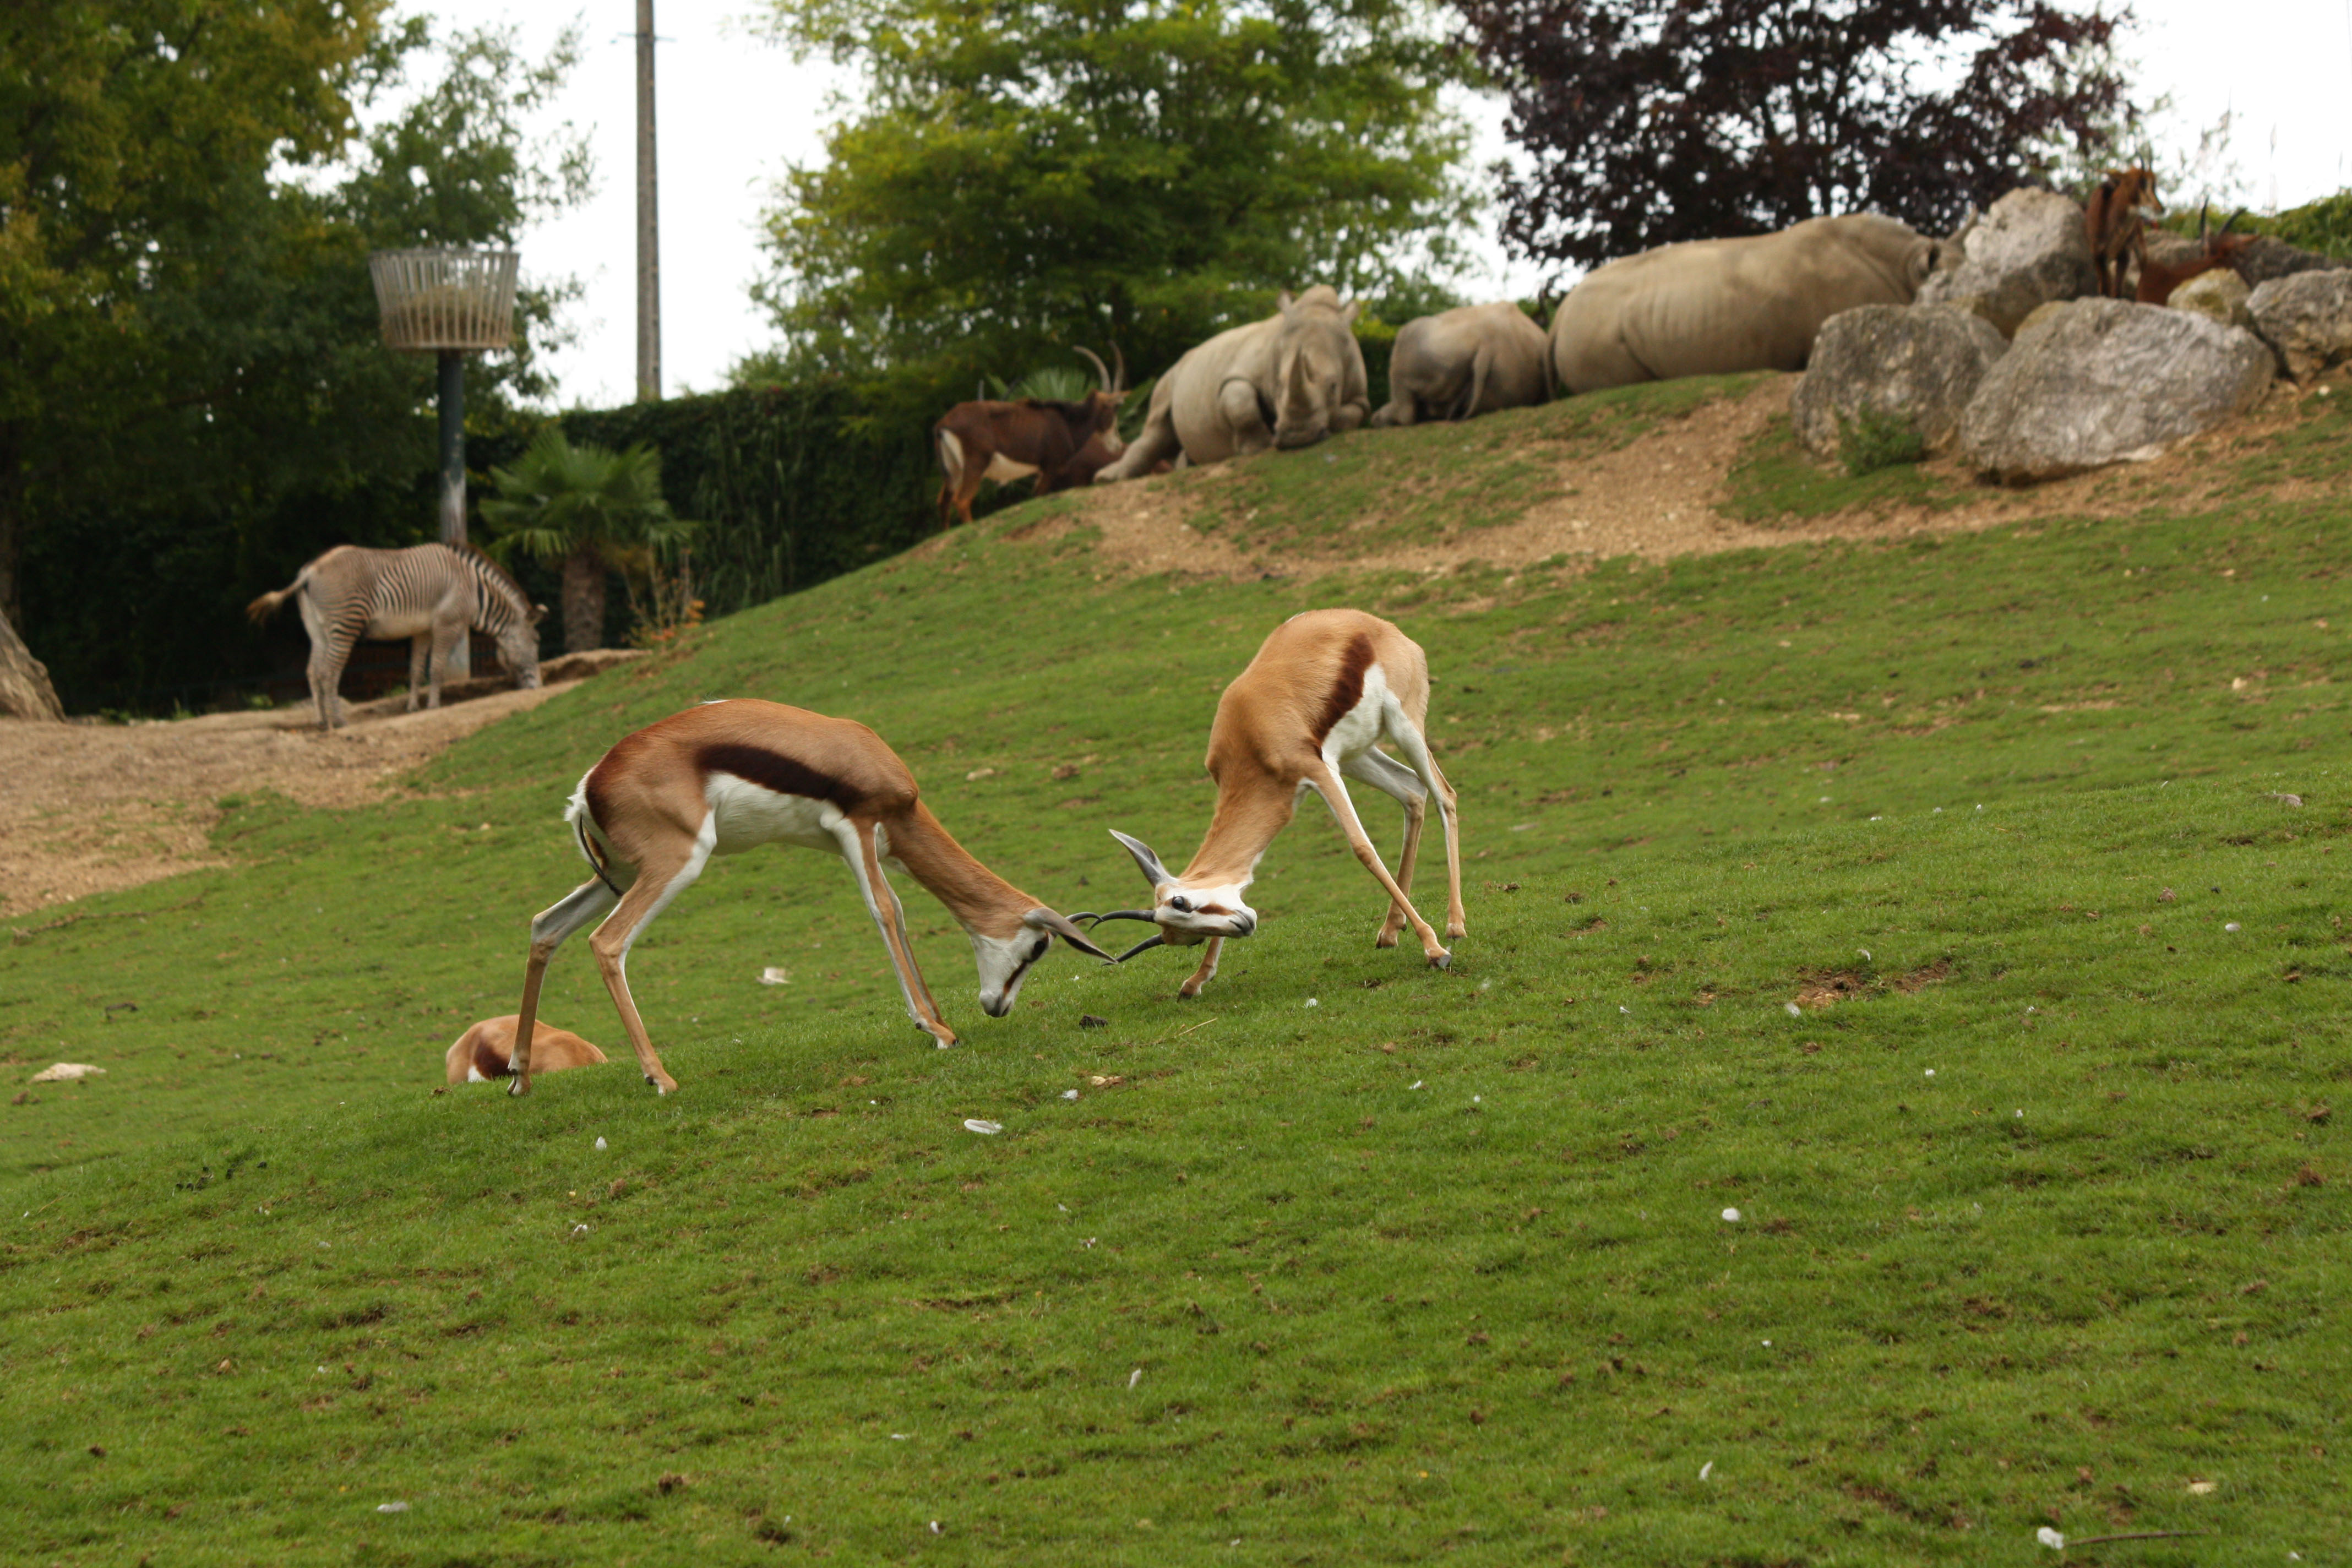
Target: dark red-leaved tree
1654,120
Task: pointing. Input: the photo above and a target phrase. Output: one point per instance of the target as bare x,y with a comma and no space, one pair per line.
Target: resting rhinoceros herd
1709,306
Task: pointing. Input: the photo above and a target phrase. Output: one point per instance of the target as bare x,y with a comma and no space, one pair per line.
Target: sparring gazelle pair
1311,712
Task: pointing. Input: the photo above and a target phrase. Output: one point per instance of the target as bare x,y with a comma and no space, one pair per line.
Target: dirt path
89,808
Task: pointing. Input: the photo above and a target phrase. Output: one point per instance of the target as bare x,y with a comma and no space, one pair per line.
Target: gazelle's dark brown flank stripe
727,776
431,594
1327,688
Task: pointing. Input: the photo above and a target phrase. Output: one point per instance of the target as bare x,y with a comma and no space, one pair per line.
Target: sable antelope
2158,280
729,776
485,1051
1309,711
1006,441
2115,220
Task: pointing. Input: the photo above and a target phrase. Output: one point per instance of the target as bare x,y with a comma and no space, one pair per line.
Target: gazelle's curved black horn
1115,915
1149,941
1101,369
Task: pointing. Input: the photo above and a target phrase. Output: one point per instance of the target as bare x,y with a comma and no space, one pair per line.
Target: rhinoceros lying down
1287,381
1463,363
1714,306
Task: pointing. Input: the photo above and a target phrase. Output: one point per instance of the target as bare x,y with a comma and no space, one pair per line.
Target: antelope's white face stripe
1004,962
1215,911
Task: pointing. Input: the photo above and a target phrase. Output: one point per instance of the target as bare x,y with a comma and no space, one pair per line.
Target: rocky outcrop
2217,296
25,688
2307,319
2270,257
2027,249
1917,365
2107,380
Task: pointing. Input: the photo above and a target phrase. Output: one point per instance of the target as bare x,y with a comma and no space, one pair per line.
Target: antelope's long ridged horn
1145,860
1115,915
1101,369
1149,941
1118,374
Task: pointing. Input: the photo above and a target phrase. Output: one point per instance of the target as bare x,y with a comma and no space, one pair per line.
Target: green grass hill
1958,909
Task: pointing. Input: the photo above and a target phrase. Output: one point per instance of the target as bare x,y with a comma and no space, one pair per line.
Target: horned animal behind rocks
731,775
430,594
1711,307
1463,363
1063,444
2116,220
485,1053
2158,280
1287,381
1311,712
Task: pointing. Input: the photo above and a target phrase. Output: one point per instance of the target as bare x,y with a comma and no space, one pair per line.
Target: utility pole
648,218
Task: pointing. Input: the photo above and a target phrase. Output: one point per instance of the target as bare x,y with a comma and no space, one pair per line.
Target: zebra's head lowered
518,647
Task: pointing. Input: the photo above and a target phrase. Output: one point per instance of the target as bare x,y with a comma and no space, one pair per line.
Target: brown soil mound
93,807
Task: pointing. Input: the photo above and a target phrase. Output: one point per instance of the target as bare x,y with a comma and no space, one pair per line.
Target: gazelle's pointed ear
1047,920
1153,871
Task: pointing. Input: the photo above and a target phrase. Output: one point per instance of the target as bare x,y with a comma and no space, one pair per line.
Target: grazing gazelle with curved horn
1310,711
728,776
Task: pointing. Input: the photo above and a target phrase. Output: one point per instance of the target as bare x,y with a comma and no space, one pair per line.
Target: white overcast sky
734,111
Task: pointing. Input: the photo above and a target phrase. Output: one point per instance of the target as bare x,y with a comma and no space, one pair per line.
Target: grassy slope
1471,1295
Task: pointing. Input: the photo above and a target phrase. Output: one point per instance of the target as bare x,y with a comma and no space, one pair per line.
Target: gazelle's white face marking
1003,962
1186,915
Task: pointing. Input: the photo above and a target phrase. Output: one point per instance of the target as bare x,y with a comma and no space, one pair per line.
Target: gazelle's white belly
1002,469
744,816
1359,729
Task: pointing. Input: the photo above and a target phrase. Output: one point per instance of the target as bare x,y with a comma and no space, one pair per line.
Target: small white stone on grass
1931,1072
1415,1084
973,1124
937,1528
1475,1098
1794,1011
1731,1216
1863,950
2051,1538
775,975
1312,1003
392,1508
2231,926
1704,1470
600,1143
1135,1377
1069,1094
579,1230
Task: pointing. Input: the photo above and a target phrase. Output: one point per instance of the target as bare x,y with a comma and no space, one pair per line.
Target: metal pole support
453,483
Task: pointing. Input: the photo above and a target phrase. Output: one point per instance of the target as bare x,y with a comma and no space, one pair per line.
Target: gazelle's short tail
951,458
576,811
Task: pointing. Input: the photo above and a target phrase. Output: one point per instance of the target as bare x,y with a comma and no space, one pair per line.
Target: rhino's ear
1347,312
1283,301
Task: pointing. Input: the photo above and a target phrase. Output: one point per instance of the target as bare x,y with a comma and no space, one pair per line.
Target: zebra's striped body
430,594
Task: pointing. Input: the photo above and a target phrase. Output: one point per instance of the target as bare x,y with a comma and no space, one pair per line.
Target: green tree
193,394
1022,174
589,508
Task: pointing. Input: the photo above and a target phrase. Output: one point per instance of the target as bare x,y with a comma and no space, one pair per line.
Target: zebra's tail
261,609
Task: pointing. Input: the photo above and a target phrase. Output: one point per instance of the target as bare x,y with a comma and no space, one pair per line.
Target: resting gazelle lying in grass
485,1053
1309,712
729,776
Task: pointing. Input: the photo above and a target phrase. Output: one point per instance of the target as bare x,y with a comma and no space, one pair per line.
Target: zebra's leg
445,640
589,900
418,646
329,654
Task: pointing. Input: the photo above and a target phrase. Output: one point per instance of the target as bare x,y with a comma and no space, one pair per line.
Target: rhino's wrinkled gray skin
1715,306
1287,381
1463,363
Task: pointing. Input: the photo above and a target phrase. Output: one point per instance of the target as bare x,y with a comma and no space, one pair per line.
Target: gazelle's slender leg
905,942
1327,782
418,646
662,875
583,904
857,848
1416,746
1206,973
1392,778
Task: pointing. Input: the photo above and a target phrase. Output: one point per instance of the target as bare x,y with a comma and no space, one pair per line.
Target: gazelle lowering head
728,776
1311,712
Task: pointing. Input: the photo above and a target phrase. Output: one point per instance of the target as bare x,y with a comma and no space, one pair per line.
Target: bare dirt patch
91,808
1663,494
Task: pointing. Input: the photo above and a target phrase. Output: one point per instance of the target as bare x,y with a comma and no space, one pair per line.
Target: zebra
430,594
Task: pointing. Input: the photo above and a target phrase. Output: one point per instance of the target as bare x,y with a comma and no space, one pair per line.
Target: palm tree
590,507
